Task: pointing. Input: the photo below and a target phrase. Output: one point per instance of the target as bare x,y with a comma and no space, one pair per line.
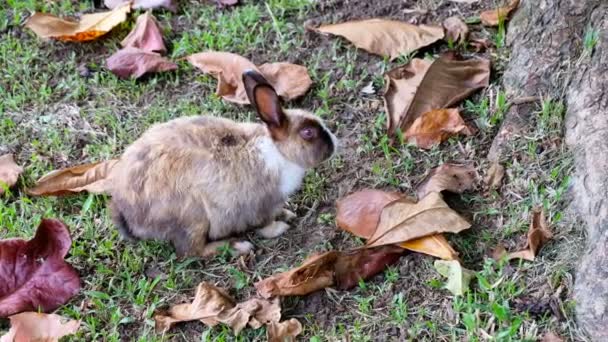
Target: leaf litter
458,276
9,172
538,235
39,327
501,14
87,177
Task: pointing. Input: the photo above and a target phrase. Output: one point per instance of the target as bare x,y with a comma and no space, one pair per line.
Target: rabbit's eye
308,133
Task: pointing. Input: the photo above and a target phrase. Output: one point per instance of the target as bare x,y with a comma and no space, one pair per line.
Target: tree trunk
549,59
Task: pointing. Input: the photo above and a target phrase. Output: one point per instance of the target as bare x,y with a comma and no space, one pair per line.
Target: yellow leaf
90,26
435,245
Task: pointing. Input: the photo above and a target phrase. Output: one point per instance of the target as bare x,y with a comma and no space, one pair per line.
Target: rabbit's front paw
273,230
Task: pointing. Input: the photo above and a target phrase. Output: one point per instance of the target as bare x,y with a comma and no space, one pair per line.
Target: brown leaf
146,35
447,82
352,266
450,177
385,37
493,17
436,126
359,212
551,337
480,44
538,235
455,29
212,305
284,331
289,80
34,274
9,172
401,85
435,245
90,26
404,220
132,62
493,178
144,4
39,327
498,252
87,177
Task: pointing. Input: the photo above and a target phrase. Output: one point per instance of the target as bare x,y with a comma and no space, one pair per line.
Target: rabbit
198,181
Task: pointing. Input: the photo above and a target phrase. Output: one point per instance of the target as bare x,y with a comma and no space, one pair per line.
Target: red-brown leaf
359,212
132,62
436,126
146,35
34,274
351,266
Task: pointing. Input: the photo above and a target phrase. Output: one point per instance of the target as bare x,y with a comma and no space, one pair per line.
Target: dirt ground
61,107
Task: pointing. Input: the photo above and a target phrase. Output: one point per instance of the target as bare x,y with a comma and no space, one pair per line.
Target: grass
51,117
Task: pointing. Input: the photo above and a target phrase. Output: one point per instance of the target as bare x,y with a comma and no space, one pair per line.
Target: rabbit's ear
266,102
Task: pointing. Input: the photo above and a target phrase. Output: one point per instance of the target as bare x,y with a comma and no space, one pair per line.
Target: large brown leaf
388,38
289,80
359,214
132,62
538,235
39,327
212,305
34,274
323,270
89,27
9,172
401,84
404,220
144,4
87,177
436,126
450,177
495,16
146,35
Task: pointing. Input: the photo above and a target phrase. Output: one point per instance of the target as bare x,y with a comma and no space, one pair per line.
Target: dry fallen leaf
87,177
212,305
284,331
538,235
90,26
401,85
146,35
9,172
552,337
39,327
494,17
455,30
436,126
225,3
493,178
498,252
132,62
144,4
289,80
451,177
359,214
329,268
385,37
403,220
458,276
34,274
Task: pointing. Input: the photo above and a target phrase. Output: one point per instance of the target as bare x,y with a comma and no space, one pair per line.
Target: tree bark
548,59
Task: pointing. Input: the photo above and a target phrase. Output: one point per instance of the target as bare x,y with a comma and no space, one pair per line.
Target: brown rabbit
197,180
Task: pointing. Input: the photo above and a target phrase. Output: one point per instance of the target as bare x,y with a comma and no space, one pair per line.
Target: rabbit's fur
195,180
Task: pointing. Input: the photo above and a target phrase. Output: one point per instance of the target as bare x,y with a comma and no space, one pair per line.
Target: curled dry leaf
289,80
493,178
359,214
284,331
436,126
448,177
538,235
132,62
39,327
417,89
146,35
9,172
90,26
212,305
404,220
458,276
455,29
144,4
385,37
494,17
323,270
86,177
34,274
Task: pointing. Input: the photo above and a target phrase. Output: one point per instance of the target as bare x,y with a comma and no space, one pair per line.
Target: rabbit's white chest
290,174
